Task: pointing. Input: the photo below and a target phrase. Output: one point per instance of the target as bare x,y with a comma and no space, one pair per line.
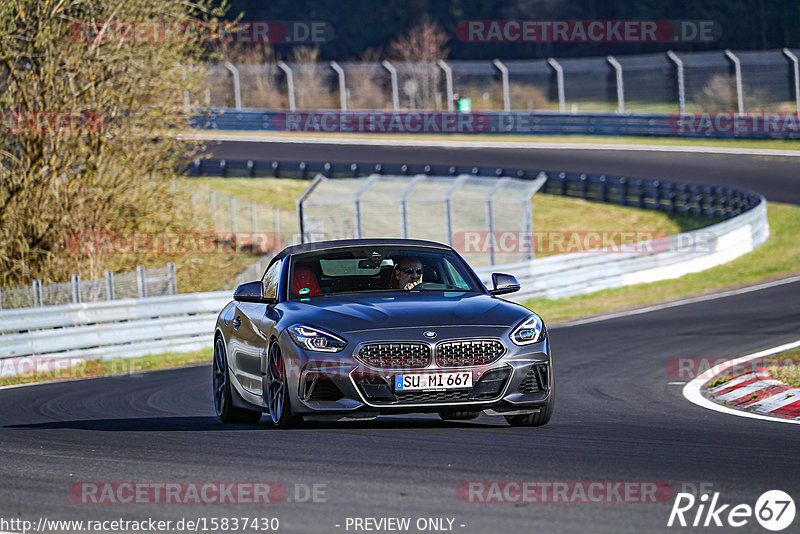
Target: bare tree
418,51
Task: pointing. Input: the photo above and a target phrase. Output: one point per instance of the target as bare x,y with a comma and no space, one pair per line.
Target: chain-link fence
686,81
140,283
466,211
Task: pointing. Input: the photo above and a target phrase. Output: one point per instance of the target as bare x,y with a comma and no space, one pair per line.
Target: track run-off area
623,441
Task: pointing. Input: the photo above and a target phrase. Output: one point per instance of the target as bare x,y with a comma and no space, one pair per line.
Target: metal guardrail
566,275
783,125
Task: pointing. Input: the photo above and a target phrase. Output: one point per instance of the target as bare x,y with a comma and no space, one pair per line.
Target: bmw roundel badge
430,334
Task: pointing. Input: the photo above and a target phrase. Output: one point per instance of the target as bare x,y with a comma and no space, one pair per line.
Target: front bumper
339,385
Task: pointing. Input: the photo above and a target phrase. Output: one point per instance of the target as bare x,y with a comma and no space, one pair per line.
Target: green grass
94,368
780,255
769,144
785,367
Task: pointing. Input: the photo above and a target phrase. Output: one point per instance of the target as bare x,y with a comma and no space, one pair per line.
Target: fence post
187,104
620,86
213,196
141,283
395,91
76,289
506,96
37,294
562,104
289,83
253,217
737,69
342,88
237,89
173,278
110,285
233,214
448,75
448,205
796,70
277,221
681,84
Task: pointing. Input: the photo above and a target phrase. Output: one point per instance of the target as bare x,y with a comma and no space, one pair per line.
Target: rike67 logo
774,510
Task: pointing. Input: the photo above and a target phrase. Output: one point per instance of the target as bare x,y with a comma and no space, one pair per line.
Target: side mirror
503,284
252,292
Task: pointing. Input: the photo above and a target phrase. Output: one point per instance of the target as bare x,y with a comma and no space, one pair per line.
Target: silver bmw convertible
354,329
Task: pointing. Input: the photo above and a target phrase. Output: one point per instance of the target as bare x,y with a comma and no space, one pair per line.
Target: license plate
415,382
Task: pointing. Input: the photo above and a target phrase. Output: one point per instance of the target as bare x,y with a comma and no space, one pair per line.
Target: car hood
351,313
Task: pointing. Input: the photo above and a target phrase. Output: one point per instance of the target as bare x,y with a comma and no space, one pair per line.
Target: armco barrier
768,125
113,329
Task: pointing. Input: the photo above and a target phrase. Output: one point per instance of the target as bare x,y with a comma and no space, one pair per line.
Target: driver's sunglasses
411,271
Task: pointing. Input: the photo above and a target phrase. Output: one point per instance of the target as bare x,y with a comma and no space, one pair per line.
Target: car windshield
378,269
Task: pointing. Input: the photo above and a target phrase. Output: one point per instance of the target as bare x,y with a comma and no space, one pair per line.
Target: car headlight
531,330
316,339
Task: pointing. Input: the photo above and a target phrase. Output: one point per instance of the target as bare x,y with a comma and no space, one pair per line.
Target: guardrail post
173,278
448,206
603,189
233,214
395,88
342,88
796,71
448,75
506,95
681,83
289,83
737,69
141,282
213,198
76,289
109,276
37,293
620,86
584,187
187,103
556,66
623,182
237,89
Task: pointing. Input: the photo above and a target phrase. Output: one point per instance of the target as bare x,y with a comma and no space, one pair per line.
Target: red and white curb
754,395
759,392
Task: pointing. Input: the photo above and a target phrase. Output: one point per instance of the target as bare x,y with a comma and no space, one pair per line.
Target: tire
277,391
541,418
221,390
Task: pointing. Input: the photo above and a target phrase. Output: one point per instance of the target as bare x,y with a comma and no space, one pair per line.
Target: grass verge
780,255
785,367
95,368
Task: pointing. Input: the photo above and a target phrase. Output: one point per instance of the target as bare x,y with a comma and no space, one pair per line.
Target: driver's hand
411,285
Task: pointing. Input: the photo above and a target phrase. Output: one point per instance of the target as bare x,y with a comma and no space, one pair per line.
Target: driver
407,273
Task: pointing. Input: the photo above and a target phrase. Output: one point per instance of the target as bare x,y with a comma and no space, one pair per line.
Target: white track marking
683,302
215,136
692,390
779,400
735,382
749,389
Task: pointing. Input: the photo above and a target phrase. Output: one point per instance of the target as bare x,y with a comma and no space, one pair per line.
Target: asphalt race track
619,416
